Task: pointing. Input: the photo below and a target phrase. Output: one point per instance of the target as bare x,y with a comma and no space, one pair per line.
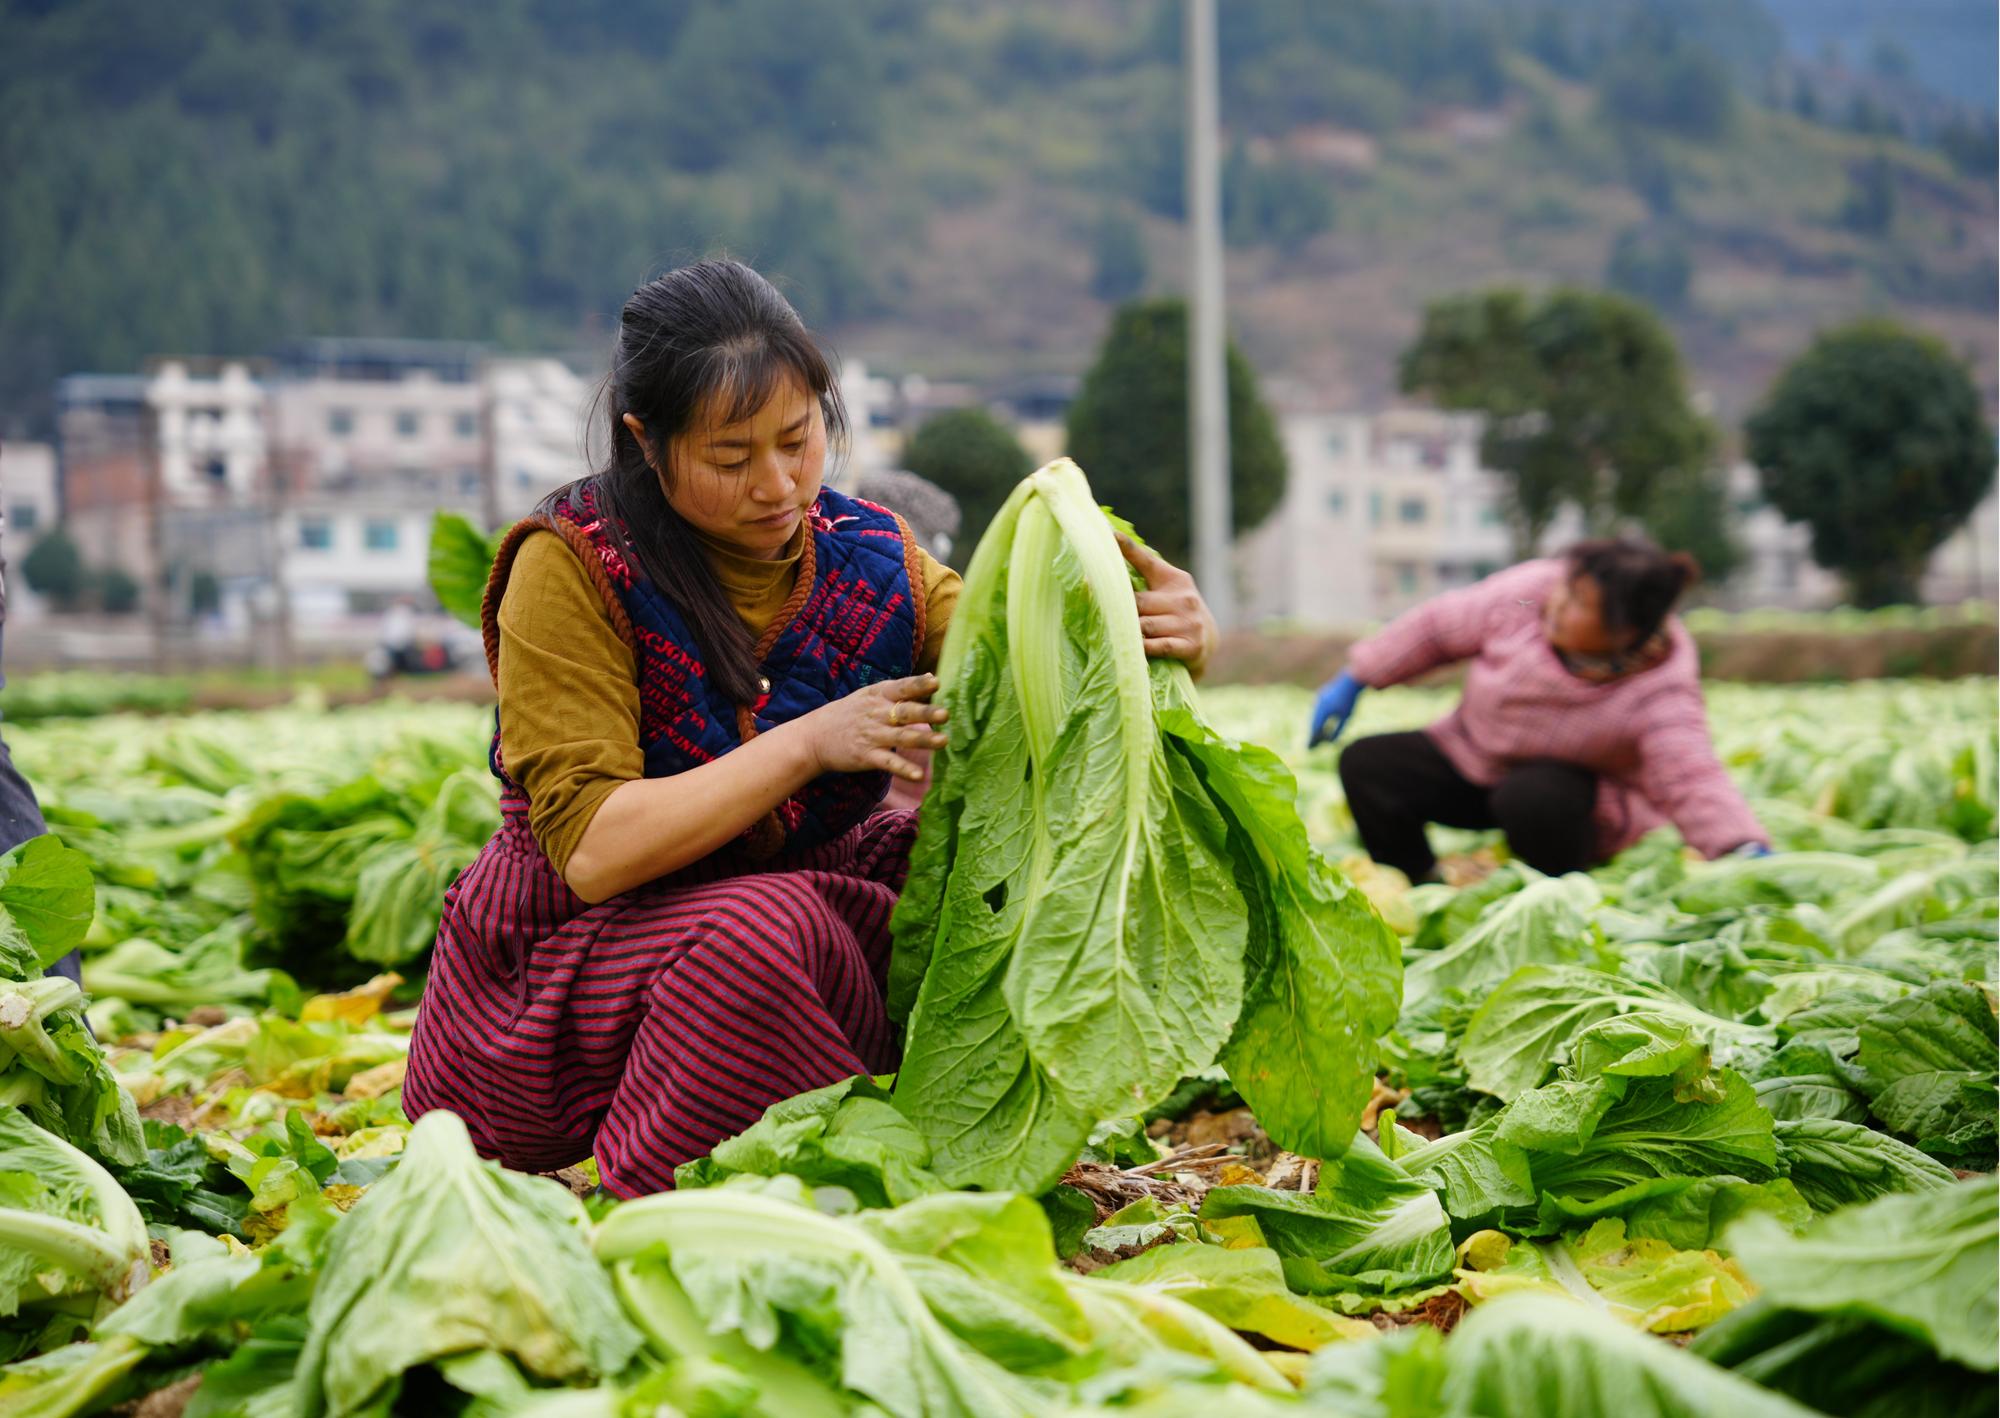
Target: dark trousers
1398,783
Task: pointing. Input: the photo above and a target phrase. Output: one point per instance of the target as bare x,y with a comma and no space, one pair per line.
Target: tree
1128,429
53,567
1118,258
1659,78
1691,513
1584,396
975,458
204,593
1870,207
117,591
1283,204
799,238
1650,264
1874,437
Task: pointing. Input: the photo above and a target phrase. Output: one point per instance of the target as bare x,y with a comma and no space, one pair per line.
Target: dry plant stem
1208,1153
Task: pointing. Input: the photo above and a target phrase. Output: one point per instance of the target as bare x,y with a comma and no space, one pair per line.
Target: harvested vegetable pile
1669,1138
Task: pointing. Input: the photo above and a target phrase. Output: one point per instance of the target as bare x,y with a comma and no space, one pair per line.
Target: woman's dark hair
1637,582
712,342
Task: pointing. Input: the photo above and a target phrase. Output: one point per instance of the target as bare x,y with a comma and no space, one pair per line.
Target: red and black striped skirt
649,1027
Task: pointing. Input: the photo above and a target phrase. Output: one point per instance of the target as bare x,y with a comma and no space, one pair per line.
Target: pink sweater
1645,736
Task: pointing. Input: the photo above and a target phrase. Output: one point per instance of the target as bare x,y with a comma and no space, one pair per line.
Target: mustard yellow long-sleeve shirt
569,686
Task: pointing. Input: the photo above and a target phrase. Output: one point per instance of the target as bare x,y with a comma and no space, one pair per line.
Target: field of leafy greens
1669,1138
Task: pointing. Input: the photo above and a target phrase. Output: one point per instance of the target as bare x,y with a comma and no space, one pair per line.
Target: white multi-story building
28,505
1380,512
1967,566
210,433
315,474
540,412
372,437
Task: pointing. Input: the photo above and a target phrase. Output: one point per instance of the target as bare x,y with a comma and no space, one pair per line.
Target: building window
378,534
340,422
469,483
1489,516
1336,503
316,534
1483,569
217,470
1406,578
1374,509
23,517
1411,509
407,423
467,425
1336,445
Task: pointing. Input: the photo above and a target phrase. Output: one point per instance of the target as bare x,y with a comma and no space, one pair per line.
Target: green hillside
951,187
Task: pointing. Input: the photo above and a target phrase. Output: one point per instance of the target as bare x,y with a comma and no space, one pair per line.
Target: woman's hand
861,732
1173,617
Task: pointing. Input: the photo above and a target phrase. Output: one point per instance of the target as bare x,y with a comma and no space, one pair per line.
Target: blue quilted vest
856,616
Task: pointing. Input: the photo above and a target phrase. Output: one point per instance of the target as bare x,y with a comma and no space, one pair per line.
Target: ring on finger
896,714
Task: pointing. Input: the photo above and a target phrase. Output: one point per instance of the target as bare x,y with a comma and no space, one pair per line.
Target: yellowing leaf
355,1006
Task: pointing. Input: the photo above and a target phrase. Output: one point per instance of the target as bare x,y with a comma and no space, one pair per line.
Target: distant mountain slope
954,188
1950,43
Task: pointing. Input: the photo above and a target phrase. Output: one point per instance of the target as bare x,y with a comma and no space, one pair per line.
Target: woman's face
1574,621
748,484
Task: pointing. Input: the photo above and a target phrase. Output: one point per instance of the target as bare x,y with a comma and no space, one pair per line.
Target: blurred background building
211,478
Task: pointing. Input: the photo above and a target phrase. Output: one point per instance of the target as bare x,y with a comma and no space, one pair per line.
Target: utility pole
489,446
1208,403
155,581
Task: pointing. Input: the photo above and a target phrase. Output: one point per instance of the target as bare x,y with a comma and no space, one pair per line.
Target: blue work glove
1333,708
1751,849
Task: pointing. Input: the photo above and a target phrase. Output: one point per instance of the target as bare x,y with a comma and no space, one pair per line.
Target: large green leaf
1527,1026
1104,893
1784,879
1649,1132
1547,922
1688,1212
47,897
986,1265
461,560
1843,1364
1930,1061
1926,1263
1324,973
844,1294
67,1230
846,1134
449,1253
1835,1163
1367,1225
1534,1353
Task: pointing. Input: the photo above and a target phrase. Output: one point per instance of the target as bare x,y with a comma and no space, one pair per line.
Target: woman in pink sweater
1581,728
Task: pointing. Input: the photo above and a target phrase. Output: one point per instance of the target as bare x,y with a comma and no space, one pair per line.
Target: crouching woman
1580,730
708,667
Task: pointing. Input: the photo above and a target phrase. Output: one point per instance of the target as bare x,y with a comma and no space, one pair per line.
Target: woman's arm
648,827
652,826
1681,776
1448,628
